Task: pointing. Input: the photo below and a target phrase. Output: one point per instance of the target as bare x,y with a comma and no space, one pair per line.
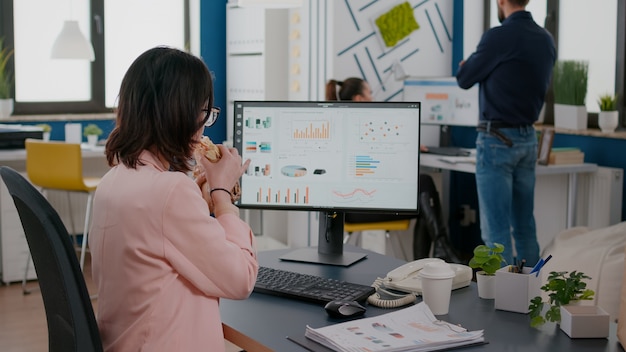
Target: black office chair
431,237
71,321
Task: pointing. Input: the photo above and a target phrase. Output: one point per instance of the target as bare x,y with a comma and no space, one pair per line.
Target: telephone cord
384,298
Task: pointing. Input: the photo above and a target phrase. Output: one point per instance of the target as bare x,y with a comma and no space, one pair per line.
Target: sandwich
210,151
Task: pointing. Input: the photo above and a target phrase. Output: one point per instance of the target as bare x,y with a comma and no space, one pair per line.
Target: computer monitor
332,157
443,101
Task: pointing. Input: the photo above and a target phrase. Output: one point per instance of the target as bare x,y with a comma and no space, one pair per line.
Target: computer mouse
344,309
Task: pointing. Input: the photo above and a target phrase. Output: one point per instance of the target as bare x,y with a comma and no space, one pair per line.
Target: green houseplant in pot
6,81
608,117
562,288
46,130
92,132
488,260
569,80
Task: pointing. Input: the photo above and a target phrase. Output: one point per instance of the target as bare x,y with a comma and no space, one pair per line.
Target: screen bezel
238,144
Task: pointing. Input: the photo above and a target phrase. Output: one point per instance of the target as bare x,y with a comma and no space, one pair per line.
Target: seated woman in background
430,220
353,88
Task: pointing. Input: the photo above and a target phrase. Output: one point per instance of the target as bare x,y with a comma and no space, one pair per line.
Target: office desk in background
263,322
546,182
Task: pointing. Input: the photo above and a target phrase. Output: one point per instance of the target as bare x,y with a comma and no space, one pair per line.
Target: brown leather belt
493,128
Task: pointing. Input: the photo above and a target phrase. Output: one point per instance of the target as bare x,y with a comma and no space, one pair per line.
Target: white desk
467,164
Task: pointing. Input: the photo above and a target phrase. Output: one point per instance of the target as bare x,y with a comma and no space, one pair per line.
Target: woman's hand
221,174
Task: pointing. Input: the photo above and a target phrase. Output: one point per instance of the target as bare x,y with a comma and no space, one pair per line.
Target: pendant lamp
72,44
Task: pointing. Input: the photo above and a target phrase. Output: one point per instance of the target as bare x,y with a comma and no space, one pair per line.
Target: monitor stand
330,244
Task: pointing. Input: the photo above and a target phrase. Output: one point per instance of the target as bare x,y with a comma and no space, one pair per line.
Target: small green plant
45,127
488,259
570,82
6,76
92,129
562,289
607,102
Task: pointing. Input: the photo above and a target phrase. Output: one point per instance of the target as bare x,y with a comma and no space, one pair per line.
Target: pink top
161,262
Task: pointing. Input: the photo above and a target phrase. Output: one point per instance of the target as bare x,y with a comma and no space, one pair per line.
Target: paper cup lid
437,270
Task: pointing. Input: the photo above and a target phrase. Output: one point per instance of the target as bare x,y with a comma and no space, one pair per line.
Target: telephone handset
406,277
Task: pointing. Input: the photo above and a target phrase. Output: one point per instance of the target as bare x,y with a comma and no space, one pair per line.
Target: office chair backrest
55,165
71,321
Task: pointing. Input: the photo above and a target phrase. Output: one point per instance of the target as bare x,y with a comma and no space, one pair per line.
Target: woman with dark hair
160,261
352,88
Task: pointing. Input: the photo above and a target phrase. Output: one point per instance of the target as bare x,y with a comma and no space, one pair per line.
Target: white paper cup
437,286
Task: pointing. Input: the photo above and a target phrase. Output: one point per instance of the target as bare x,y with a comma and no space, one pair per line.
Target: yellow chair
387,226
59,166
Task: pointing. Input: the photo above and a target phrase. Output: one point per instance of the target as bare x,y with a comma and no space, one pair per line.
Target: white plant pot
584,321
571,117
608,120
92,139
486,285
46,136
6,108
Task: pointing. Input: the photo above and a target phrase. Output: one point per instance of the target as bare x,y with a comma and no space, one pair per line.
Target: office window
44,85
38,77
588,31
137,28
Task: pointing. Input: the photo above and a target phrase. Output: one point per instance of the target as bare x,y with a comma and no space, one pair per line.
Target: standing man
513,65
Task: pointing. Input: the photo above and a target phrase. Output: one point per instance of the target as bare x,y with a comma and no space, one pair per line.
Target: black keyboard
448,151
309,288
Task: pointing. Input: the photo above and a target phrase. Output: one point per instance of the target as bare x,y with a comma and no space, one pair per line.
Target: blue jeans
505,180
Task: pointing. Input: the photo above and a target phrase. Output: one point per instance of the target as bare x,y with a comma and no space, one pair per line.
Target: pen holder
515,290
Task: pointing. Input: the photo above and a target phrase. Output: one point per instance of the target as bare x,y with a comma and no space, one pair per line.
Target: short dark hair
161,97
520,3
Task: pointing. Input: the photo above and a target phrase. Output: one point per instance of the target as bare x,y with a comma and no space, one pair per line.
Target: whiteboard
443,101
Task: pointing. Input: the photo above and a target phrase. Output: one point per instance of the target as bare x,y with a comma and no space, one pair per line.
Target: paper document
410,329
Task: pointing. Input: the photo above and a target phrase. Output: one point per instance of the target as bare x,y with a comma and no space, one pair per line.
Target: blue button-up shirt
513,66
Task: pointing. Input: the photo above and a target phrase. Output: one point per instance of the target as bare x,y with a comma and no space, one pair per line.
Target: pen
546,261
539,265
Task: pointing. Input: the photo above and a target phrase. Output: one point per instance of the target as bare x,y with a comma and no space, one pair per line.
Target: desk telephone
406,277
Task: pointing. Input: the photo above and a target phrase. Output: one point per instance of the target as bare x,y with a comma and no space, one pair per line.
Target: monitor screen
443,101
333,157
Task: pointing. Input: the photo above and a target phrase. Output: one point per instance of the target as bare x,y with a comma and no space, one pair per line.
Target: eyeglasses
211,116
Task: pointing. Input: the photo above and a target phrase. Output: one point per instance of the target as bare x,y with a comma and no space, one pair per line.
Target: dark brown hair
161,98
348,88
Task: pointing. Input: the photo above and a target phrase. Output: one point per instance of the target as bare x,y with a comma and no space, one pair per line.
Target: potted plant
569,79
46,130
6,81
608,116
92,132
488,260
562,288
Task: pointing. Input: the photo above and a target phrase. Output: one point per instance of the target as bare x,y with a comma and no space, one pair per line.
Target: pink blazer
161,262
